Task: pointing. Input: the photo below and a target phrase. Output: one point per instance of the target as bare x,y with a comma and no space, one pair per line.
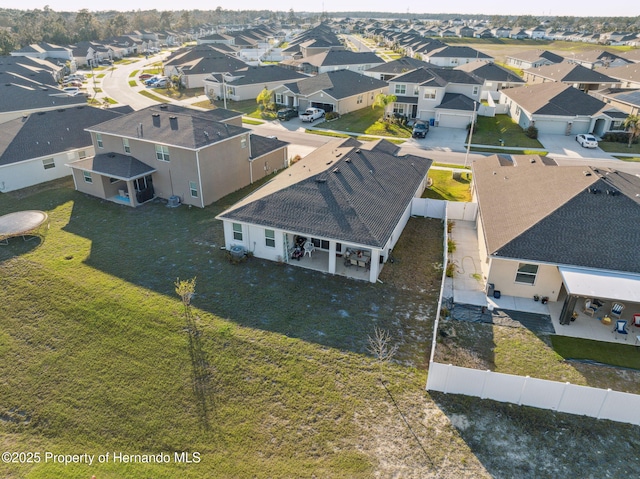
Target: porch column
374,265
567,309
132,193
332,257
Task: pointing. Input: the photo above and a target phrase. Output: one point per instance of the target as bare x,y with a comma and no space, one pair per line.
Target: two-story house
442,96
175,153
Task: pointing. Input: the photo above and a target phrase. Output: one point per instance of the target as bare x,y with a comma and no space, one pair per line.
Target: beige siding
269,163
224,168
503,275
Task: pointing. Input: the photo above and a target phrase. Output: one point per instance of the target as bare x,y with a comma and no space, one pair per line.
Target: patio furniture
636,320
606,320
621,328
309,248
590,308
616,310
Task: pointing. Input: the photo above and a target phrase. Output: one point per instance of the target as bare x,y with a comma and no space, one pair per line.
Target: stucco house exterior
453,56
169,151
443,95
247,82
35,148
342,91
553,108
195,64
332,60
339,210
577,76
546,230
533,59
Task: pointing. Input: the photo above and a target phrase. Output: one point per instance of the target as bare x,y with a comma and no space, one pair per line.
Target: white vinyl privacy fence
540,393
525,391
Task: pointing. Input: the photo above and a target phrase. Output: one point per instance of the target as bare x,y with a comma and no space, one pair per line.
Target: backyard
272,378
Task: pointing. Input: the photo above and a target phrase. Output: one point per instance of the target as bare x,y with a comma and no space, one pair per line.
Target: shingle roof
174,125
434,76
338,84
261,145
459,52
341,57
345,190
48,133
401,65
251,75
553,98
490,71
549,213
571,73
115,165
629,72
533,55
456,101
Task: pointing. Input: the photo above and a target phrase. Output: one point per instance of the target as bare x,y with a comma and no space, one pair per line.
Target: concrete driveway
441,138
562,146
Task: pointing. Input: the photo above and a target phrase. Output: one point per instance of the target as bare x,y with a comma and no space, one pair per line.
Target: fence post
562,395
604,400
524,385
484,382
446,379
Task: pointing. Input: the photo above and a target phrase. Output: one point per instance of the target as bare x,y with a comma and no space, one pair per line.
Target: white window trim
48,163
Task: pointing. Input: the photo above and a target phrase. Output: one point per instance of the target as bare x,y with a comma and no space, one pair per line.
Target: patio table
606,320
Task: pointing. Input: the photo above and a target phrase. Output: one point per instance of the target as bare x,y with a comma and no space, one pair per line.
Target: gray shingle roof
571,73
357,193
401,65
490,71
434,76
338,84
250,75
261,145
553,98
115,165
456,101
49,133
548,213
459,52
174,125
341,57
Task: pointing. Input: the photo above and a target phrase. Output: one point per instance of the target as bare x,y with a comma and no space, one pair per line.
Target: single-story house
170,151
533,59
339,210
597,58
562,232
553,108
35,148
333,60
452,56
627,75
342,91
194,64
247,82
577,76
494,76
624,100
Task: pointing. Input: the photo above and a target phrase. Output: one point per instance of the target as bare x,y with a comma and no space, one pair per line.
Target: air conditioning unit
174,201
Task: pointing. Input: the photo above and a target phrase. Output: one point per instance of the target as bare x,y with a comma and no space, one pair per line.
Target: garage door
553,127
454,121
327,107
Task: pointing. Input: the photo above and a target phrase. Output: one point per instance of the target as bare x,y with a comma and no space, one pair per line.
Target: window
237,231
82,154
279,98
321,244
48,163
162,153
270,238
398,109
87,177
194,189
401,89
243,142
99,140
429,93
125,144
475,90
359,99
527,273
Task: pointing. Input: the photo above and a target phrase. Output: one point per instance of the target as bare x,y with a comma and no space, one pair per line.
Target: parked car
162,83
286,114
145,76
152,80
71,90
420,130
75,77
587,141
75,83
311,114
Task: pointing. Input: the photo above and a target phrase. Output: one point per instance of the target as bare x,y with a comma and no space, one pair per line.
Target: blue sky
486,7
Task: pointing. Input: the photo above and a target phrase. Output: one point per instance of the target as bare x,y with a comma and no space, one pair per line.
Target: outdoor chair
616,310
636,320
590,308
621,328
309,248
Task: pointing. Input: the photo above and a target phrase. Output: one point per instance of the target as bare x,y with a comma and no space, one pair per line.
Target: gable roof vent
586,173
164,107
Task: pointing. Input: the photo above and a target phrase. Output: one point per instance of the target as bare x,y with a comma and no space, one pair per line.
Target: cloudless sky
584,8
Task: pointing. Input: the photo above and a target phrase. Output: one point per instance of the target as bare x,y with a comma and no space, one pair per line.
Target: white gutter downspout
199,178
250,161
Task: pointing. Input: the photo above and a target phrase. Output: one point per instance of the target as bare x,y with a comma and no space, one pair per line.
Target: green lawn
491,129
623,355
148,94
183,93
446,186
366,121
247,107
509,151
272,379
615,147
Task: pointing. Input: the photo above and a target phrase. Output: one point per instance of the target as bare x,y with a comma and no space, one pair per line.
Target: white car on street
587,141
